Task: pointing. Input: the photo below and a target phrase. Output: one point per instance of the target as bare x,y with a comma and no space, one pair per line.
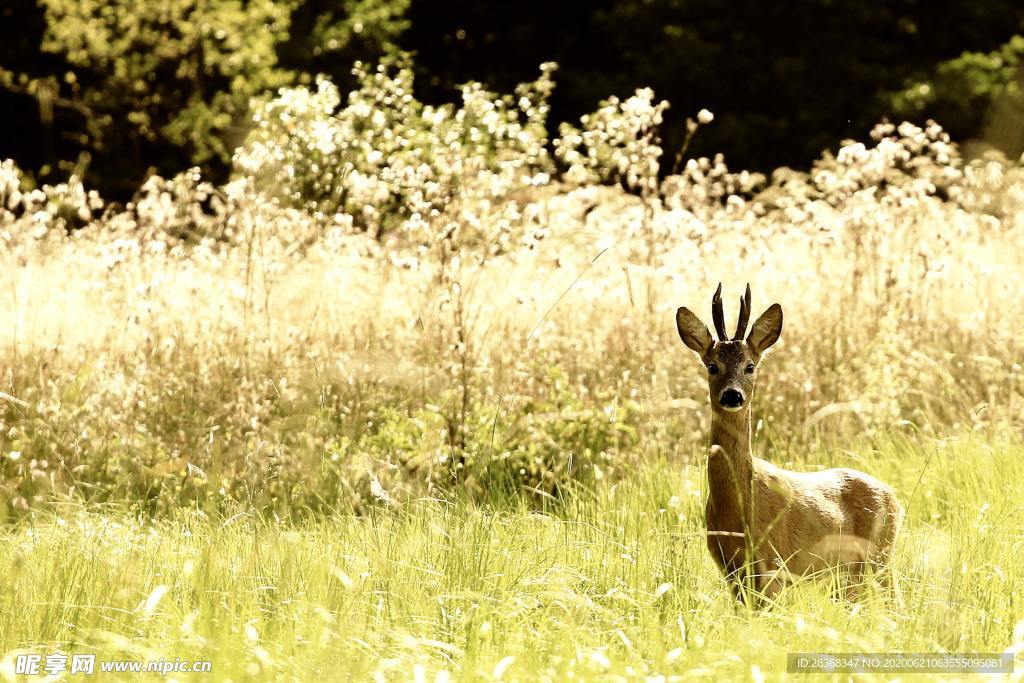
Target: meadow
429,418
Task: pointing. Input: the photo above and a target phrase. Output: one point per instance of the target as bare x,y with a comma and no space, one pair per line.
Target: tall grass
294,382
609,581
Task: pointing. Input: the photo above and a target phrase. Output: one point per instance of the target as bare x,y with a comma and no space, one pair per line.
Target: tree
163,84
978,94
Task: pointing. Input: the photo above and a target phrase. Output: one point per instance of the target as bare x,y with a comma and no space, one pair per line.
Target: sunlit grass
612,581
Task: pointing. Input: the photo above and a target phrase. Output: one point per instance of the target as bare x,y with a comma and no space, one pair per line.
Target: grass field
301,453
612,582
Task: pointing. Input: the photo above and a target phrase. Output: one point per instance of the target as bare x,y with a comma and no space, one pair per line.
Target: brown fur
766,523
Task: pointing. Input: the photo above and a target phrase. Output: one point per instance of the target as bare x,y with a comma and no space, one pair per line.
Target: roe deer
765,523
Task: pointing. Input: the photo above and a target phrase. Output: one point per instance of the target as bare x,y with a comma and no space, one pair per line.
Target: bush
978,94
168,83
391,162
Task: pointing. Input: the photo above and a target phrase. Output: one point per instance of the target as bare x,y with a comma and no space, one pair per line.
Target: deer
767,525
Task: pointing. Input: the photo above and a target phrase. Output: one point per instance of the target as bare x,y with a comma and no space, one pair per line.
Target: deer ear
766,330
693,332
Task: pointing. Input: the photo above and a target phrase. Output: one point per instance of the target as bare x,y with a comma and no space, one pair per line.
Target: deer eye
713,368
750,368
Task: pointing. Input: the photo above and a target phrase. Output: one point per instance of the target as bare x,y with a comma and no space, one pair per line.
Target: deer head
731,362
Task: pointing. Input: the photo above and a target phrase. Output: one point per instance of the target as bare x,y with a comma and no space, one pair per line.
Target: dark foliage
785,80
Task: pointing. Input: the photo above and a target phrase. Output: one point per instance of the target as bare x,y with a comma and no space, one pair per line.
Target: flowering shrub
706,185
184,207
35,213
619,143
391,162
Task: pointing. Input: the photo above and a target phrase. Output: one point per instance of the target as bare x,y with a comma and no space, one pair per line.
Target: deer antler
741,325
717,315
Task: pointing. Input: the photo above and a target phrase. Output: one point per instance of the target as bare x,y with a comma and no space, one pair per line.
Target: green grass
612,581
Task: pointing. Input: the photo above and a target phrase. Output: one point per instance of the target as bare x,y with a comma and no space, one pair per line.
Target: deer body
764,521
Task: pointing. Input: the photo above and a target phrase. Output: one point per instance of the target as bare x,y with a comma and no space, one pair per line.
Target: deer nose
731,398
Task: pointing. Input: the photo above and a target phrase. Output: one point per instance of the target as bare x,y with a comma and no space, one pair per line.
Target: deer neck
730,464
